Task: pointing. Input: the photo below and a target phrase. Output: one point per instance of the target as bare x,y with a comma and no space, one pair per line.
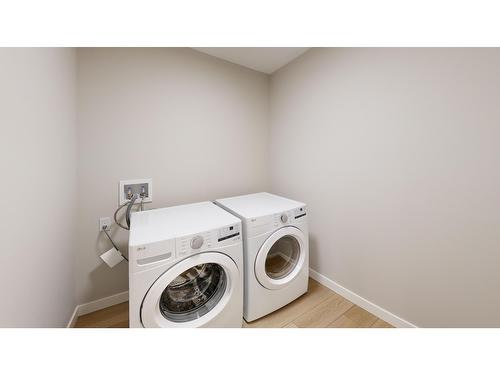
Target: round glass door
282,258
193,293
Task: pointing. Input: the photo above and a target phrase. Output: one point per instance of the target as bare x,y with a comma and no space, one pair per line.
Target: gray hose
105,230
129,208
116,216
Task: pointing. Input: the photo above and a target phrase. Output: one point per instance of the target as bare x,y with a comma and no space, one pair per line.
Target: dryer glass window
193,293
282,257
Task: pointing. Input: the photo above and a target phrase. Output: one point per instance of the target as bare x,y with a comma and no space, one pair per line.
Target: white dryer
276,248
186,267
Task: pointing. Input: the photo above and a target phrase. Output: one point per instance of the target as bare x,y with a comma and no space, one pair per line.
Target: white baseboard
376,310
73,319
87,308
371,307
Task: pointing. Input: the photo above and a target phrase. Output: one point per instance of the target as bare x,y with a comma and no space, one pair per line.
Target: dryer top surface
259,204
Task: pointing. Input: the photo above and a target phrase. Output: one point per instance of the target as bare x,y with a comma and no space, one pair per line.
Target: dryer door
191,293
281,258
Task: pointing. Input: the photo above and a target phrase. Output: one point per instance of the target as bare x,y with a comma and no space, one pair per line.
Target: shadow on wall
313,253
99,277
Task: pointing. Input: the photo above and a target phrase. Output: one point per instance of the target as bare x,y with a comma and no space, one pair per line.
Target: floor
318,308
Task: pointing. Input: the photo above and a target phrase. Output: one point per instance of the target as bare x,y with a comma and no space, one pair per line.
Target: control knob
196,242
284,218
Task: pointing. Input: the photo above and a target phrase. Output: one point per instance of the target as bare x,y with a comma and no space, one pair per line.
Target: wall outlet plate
104,221
137,186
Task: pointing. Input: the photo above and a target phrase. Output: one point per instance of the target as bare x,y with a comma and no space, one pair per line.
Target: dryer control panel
289,217
263,224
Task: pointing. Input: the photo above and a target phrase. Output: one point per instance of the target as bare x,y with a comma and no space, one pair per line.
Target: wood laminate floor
318,308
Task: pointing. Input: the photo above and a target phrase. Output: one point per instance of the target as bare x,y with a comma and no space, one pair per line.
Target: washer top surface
172,222
258,204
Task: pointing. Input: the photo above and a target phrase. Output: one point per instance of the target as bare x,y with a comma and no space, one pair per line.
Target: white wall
396,151
38,168
195,124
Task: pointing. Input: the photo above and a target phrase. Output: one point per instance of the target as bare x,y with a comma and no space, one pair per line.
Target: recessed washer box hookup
143,187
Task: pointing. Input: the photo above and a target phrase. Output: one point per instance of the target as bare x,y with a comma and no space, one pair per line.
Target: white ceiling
263,59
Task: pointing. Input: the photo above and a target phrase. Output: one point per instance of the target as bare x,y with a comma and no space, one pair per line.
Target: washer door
191,293
281,258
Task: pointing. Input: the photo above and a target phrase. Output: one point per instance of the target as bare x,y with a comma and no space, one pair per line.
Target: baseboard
371,307
73,319
87,308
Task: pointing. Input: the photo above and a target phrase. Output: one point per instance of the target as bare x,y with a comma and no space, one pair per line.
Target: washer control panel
231,231
198,242
193,243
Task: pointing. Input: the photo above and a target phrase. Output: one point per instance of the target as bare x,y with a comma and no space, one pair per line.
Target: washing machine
185,267
276,250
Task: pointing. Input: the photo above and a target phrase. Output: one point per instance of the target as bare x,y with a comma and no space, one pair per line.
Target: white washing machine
186,267
276,248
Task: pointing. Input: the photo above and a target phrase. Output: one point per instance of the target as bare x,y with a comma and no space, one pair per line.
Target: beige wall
195,124
38,187
396,151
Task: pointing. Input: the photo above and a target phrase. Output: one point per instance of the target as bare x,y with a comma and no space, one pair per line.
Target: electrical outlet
104,221
143,187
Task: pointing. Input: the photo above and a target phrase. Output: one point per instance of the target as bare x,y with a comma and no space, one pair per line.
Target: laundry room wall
193,123
38,189
396,152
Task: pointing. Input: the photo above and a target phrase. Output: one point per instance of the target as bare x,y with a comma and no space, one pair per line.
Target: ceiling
263,59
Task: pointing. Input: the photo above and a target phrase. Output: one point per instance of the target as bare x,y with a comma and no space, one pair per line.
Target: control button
196,242
284,218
